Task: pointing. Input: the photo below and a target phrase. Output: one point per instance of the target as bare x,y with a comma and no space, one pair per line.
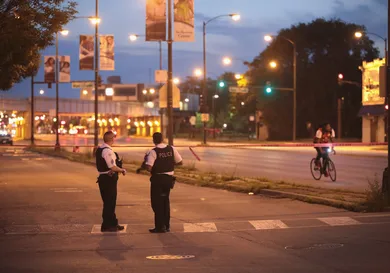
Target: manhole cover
315,246
170,257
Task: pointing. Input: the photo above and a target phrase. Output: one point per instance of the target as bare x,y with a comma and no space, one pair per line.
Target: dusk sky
241,40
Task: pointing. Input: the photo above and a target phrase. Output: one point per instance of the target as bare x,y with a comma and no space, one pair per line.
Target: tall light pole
269,38
96,133
57,73
388,100
170,83
235,17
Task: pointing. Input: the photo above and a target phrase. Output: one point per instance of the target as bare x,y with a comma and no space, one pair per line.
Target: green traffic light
268,90
221,84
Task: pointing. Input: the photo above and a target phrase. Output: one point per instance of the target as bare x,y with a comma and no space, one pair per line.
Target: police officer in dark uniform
109,166
161,163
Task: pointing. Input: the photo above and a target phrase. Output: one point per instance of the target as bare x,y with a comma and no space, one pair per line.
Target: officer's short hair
157,138
108,136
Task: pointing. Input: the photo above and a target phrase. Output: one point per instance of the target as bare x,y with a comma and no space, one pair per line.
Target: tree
325,48
26,28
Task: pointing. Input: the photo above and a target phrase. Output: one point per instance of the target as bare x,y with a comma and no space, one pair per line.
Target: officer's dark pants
160,189
108,191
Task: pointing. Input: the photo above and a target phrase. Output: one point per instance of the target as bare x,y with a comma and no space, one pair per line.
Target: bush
375,199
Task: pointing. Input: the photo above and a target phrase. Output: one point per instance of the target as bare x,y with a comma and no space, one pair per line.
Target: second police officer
109,165
161,162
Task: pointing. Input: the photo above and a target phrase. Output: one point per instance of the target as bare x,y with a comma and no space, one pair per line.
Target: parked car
6,139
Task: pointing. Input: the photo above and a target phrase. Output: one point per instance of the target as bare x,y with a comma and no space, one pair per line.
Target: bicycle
326,165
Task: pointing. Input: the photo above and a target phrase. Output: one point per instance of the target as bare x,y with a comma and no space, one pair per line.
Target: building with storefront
373,111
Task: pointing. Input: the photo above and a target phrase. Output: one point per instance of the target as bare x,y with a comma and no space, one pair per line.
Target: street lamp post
170,83
269,38
215,116
96,133
235,17
57,146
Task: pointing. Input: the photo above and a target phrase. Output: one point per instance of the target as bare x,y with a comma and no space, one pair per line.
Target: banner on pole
50,69
156,20
64,69
86,52
107,61
184,21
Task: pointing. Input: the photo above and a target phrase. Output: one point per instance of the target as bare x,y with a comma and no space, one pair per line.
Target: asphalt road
355,165
48,208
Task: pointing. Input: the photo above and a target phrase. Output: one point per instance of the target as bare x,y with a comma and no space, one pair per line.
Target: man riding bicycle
324,134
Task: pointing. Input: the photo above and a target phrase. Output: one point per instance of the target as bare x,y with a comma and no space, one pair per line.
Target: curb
315,199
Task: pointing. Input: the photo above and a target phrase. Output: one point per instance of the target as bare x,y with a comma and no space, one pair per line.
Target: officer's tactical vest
165,160
101,164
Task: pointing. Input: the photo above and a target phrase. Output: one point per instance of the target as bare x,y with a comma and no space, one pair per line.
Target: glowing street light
198,72
85,92
152,91
176,80
358,34
144,91
235,16
341,76
268,38
238,76
95,20
64,32
273,64
216,96
133,37
227,61
41,92
242,103
187,100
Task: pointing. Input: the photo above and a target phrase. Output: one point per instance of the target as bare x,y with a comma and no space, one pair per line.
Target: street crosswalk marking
200,227
66,190
268,224
207,227
339,221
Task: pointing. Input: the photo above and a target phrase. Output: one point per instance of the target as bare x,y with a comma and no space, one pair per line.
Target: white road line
96,230
69,191
339,221
268,224
200,227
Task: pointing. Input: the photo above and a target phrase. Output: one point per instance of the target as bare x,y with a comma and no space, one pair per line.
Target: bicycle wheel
315,173
331,170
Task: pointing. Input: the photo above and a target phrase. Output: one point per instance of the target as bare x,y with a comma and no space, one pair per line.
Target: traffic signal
340,78
268,88
221,84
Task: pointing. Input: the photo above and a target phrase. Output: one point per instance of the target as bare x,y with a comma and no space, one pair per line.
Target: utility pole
96,135
32,111
388,101
161,109
57,146
169,91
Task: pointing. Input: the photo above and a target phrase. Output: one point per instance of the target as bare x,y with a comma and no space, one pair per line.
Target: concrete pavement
48,208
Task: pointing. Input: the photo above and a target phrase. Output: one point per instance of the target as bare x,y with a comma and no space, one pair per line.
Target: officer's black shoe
109,229
154,230
120,227
167,229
